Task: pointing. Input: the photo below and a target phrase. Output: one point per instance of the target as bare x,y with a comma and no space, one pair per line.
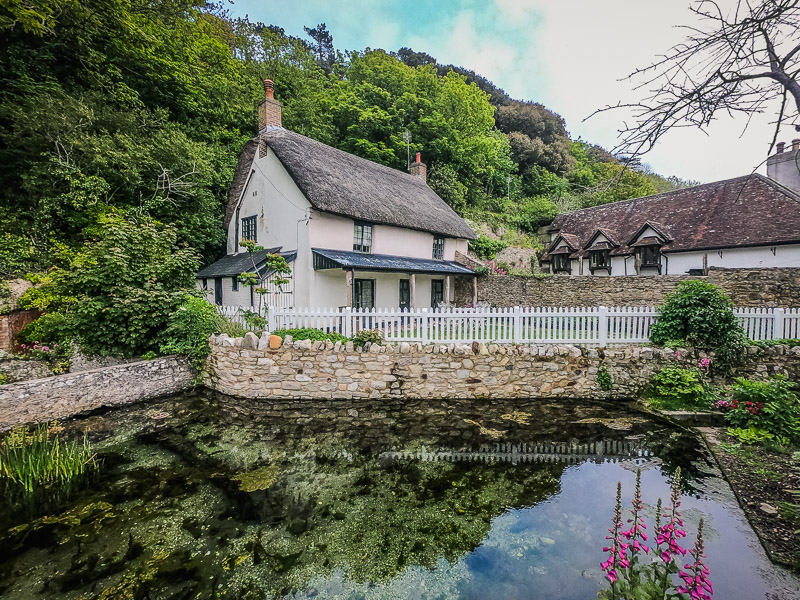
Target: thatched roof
344,184
746,211
240,177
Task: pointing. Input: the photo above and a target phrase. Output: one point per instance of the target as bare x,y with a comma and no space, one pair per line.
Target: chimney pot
269,111
419,168
269,89
795,144
780,147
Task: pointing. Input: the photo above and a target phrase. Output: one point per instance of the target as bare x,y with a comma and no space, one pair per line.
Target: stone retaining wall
247,367
746,287
63,396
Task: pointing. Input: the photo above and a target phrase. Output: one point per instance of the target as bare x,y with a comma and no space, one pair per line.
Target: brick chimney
269,111
419,169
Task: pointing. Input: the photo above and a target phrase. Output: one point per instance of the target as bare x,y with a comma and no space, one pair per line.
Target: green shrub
4,378
371,336
189,328
768,405
751,435
116,295
676,388
604,379
486,248
701,315
307,333
32,459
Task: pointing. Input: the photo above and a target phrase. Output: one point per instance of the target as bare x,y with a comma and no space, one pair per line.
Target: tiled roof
386,262
745,211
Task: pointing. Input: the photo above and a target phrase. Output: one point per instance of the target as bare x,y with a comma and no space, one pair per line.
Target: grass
37,458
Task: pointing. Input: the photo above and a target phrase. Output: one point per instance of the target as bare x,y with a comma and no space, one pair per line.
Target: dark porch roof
236,264
341,259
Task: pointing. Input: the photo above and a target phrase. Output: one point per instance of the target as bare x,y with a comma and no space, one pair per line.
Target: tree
322,46
746,61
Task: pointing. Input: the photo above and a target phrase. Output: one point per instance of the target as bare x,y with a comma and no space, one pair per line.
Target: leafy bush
4,378
371,336
117,294
56,356
676,388
604,379
307,333
701,314
768,405
50,328
32,459
486,248
189,328
751,435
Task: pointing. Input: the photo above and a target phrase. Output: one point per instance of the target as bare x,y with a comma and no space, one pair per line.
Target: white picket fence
592,326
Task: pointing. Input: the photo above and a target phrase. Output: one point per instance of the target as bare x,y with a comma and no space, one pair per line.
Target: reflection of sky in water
552,551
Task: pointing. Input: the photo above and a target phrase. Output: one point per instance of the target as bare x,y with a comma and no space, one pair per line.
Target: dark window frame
438,247
362,237
654,258
595,263
562,263
204,282
250,225
404,294
234,283
437,292
358,293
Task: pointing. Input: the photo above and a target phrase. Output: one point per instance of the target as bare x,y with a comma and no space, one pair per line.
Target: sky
571,55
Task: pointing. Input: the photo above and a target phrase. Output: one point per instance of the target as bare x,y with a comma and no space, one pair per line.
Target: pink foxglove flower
695,579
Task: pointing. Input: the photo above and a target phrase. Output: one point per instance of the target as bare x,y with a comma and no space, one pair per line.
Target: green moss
260,479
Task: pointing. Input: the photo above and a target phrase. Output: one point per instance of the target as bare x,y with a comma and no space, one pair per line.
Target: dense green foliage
486,247
306,333
32,459
116,294
677,388
189,328
770,406
367,336
604,379
701,315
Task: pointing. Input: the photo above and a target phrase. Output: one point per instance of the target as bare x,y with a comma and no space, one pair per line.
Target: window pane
249,229
438,247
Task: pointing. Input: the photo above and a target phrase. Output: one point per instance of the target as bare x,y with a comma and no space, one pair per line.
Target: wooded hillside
138,110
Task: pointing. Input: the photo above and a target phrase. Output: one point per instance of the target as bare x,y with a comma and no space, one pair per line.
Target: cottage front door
218,290
405,295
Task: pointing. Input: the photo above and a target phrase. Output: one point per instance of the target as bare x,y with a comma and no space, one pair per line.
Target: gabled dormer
560,253
647,243
599,248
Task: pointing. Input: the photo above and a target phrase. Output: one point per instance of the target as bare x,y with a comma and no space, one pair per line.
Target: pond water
204,496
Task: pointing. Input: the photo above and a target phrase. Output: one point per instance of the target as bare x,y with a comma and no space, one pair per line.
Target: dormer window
650,256
600,259
561,263
362,237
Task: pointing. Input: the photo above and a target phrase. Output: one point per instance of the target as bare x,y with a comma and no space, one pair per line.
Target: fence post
777,323
517,325
602,319
424,326
348,322
271,319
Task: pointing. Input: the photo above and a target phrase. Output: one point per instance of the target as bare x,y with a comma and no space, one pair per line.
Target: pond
206,496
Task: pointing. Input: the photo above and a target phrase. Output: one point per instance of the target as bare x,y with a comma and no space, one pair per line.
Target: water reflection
207,496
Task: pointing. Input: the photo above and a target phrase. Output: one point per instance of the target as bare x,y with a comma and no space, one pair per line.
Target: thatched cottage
356,233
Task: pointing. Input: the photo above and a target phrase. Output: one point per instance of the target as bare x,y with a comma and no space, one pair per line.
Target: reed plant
39,457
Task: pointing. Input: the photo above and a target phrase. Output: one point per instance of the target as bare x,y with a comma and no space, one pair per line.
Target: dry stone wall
746,287
247,367
63,396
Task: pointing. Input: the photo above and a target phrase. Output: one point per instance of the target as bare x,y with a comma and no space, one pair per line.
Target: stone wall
17,369
746,287
247,367
63,396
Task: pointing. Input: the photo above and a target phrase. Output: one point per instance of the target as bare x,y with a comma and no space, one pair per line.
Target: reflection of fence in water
601,451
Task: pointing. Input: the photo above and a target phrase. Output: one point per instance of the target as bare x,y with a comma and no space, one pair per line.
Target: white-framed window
438,247
650,256
362,237
249,229
599,259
